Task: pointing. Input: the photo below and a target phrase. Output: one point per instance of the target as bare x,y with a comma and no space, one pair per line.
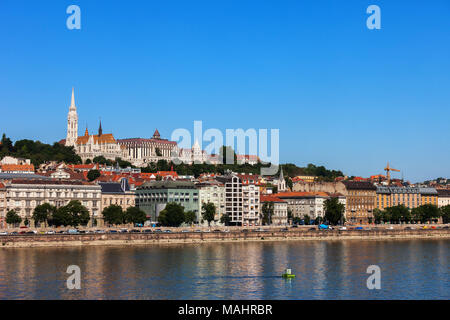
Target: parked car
73,231
294,226
198,230
184,231
14,233
284,229
3,233
50,232
167,231
135,231
148,231
112,231
158,230
123,230
99,231
226,230
359,228
216,230
342,228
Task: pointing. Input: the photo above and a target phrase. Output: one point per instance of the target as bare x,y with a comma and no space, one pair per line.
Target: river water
413,269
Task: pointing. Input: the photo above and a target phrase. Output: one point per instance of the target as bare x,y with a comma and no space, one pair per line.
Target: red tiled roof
302,194
18,167
270,198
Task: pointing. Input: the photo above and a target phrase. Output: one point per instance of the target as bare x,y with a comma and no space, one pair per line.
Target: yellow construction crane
388,170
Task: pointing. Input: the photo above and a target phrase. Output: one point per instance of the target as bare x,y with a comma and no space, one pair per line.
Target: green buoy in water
287,274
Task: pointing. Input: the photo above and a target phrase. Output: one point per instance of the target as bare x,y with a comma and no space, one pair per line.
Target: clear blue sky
342,96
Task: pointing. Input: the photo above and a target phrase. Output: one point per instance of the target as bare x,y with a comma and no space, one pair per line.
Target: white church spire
72,123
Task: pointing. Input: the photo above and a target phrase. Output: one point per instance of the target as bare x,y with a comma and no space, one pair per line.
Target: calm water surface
415,269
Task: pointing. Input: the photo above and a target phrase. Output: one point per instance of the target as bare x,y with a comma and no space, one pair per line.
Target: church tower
72,123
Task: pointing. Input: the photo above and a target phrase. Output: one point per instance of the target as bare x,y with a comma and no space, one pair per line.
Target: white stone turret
72,123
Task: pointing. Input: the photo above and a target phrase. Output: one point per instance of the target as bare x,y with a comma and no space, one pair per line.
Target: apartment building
361,197
23,195
241,200
443,197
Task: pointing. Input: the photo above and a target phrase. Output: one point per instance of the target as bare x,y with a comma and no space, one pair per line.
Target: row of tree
114,215
75,214
72,214
37,151
173,215
402,214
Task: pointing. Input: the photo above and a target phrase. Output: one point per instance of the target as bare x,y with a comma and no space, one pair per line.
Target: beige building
114,193
308,203
280,209
443,197
2,206
214,192
23,195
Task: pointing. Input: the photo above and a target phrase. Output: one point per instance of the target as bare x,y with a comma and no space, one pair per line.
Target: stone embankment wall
161,238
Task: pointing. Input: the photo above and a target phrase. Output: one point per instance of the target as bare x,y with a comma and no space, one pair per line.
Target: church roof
104,138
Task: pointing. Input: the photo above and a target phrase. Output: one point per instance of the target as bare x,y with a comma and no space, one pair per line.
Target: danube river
413,269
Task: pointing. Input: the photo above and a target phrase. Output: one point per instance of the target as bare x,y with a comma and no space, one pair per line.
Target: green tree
113,214
190,217
426,213
267,211
43,213
102,160
334,211
378,215
13,218
445,213
61,218
172,215
398,213
208,212
73,214
307,219
93,174
225,219
135,215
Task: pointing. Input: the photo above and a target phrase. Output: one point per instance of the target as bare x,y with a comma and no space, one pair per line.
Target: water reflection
416,269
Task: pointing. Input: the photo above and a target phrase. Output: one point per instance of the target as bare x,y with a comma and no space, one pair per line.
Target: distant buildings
16,165
360,198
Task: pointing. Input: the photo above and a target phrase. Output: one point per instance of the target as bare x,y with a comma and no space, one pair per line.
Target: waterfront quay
180,235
